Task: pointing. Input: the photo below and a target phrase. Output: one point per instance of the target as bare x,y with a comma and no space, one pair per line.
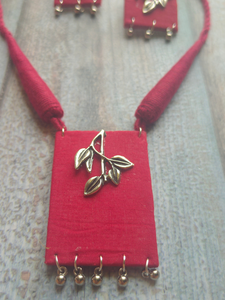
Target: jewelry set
148,15
105,217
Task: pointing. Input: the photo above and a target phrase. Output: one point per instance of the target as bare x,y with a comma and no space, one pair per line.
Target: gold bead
122,280
93,9
77,9
58,10
154,275
79,279
130,32
145,274
96,280
169,33
60,280
148,34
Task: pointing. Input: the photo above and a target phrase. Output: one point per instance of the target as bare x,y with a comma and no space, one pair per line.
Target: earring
123,278
61,273
148,17
98,274
78,273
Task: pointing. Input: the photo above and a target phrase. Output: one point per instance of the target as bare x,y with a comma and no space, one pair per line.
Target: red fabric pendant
117,220
164,17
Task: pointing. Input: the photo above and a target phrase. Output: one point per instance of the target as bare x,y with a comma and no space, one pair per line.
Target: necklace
51,111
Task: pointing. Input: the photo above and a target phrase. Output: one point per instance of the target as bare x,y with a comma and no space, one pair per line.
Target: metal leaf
89,161
93,185
121,162
114,175
82,155
163,2
149,5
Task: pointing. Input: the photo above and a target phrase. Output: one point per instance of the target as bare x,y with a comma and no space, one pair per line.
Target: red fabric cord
155,102
39,94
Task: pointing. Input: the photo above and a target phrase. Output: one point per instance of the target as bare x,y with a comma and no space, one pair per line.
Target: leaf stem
101,154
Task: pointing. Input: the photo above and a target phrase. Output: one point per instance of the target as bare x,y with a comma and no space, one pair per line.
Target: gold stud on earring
149,32
61,273
123,278
97,277
78,273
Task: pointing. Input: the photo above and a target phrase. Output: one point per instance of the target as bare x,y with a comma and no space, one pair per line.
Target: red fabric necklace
151,107
130,204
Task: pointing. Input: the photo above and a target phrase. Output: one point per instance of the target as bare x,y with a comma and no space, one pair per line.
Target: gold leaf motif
121,162
163,2
93,185
149,5
114,175
82,155
89,161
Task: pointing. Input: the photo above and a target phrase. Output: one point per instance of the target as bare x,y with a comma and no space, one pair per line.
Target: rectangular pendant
118,218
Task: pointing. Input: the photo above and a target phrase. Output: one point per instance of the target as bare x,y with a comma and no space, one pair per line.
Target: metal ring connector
101,263
140,131
124,263
63,131
146,273
75,263
57,262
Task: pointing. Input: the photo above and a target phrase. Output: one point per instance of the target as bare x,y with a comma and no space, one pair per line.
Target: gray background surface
100,77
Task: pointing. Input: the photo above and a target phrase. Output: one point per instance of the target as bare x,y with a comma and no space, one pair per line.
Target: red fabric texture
117,220
69,3
39,94
164,17
155,102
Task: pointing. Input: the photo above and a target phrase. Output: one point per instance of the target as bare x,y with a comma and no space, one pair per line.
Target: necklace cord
40,96
155,102
152,106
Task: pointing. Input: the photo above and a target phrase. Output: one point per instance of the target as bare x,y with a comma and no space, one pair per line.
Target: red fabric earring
139,15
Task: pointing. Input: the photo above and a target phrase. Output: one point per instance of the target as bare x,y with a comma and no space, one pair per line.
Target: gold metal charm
93,9
58,8
78,273
149,32
96,279
61,273
149,5
78,9
169,32
117,162
123,278
130,31
153,274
